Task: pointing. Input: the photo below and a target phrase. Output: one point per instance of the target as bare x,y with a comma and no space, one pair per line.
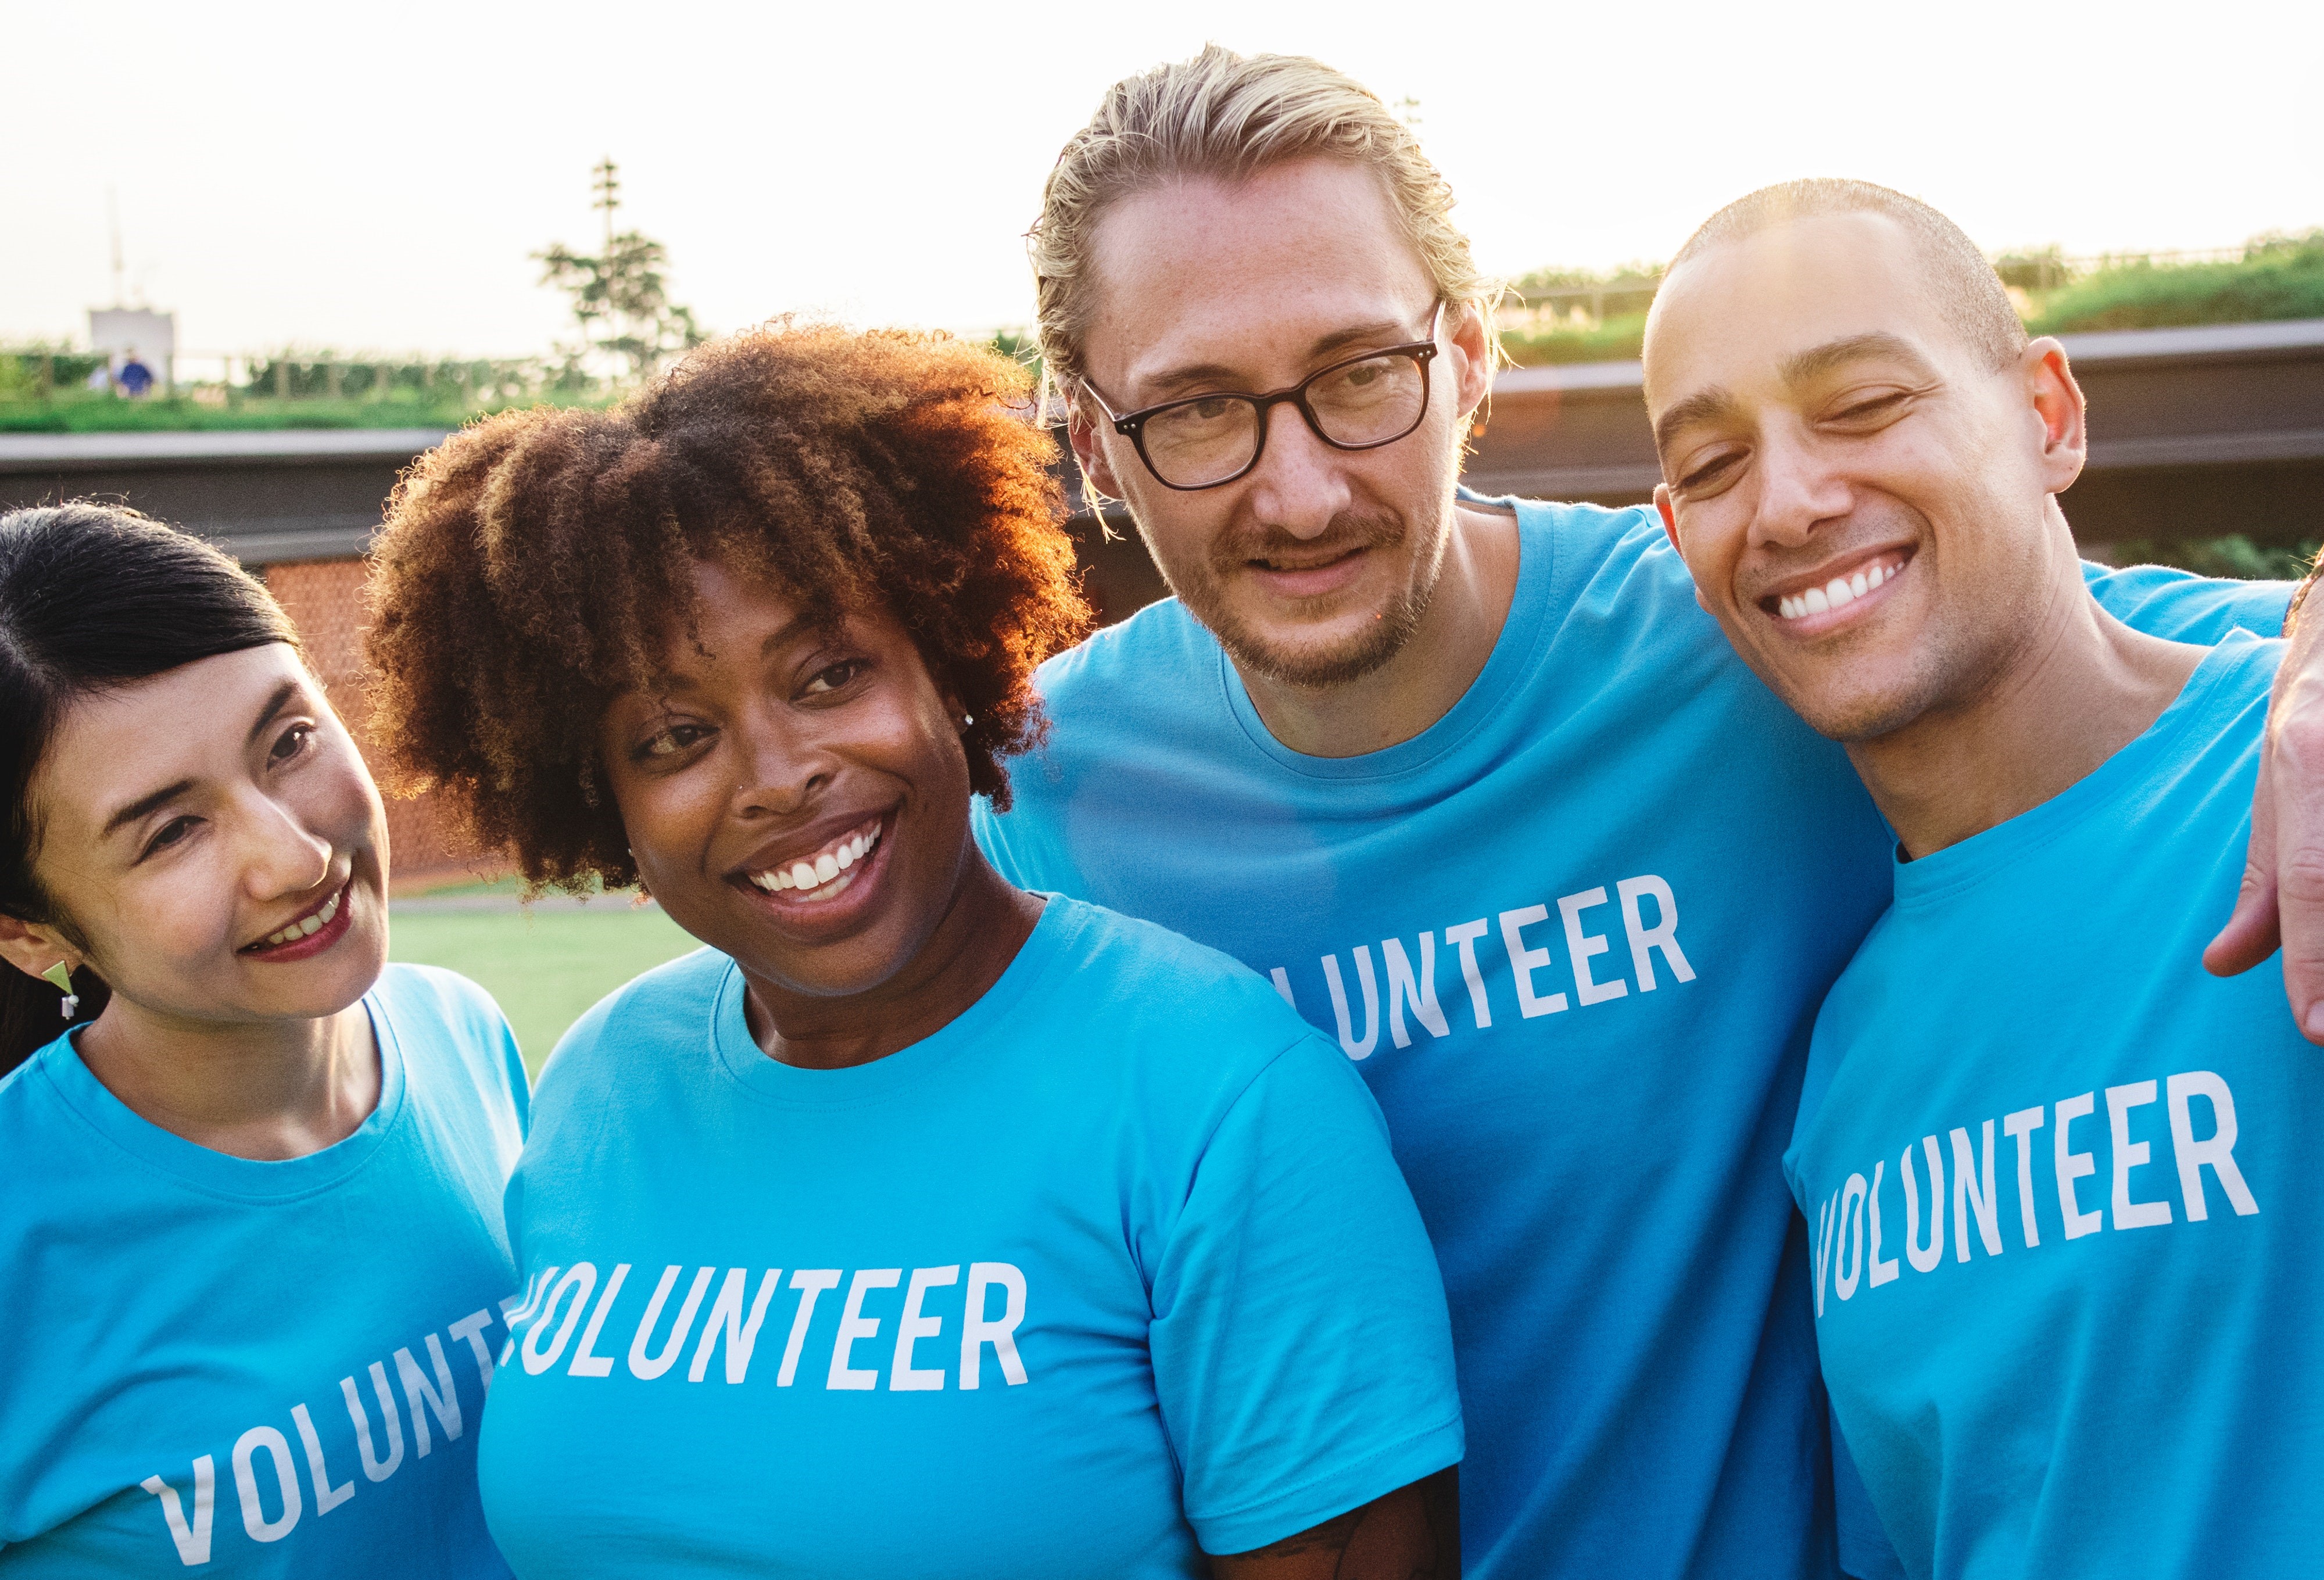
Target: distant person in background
135,378
251,1244
918,1225
1481,788
2061,1182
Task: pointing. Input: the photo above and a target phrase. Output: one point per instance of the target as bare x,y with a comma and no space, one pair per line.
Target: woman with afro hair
915,1224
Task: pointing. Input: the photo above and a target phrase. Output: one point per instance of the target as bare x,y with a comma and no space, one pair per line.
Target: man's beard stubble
1310,667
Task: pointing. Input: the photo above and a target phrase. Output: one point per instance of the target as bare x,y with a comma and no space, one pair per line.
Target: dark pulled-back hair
534,566
93,597
1968,293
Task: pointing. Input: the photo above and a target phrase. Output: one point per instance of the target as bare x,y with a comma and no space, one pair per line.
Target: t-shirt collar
1943,874
218,1173
732,1048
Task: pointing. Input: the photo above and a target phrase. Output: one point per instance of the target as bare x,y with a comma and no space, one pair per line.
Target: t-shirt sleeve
993,833
1023,844
2182,606
1301,1349
488,1042
512,1059
493,1030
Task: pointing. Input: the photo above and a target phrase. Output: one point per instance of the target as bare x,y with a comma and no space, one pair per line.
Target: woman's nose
283,855
784,770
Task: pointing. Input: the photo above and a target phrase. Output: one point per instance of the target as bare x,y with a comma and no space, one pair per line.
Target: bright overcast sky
374,176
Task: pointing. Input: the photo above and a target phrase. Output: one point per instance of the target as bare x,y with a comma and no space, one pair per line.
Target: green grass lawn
546,967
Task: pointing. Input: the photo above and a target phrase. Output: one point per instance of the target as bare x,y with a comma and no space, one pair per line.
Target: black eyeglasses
1203,441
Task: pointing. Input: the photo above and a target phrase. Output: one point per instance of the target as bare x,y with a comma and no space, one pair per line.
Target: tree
621,301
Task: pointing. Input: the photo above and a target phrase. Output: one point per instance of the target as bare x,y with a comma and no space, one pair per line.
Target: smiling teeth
1839,590
307,926
825,868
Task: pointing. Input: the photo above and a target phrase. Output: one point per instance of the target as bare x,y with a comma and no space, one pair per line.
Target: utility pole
606,188
112,214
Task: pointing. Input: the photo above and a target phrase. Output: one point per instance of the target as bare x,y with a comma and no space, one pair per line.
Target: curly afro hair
534,567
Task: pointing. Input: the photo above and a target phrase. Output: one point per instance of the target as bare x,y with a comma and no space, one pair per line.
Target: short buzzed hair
1968,293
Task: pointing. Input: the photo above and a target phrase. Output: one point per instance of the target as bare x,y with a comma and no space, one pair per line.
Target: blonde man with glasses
1482,789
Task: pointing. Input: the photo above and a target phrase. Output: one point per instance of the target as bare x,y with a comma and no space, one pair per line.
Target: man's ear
1475,347
1082,433
32,947
2057,401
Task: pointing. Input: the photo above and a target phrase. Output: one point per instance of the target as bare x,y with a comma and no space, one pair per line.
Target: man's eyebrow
1702,406
1821,359
1717,401
1207,376
139,807
1200,376
274,705
1388,331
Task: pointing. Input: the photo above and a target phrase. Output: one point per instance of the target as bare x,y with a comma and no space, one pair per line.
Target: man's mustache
1347,533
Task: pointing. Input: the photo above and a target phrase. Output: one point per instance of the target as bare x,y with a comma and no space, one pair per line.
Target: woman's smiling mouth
826,874
309,935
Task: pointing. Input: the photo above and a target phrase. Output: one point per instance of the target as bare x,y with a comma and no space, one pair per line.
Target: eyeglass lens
1367,403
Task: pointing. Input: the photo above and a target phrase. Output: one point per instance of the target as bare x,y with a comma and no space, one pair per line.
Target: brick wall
325,601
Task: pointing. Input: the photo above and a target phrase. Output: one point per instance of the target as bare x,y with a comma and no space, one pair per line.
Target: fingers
2251,934
2300,911
2288,837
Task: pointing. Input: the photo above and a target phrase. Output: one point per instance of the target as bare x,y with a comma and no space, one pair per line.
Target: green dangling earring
59,977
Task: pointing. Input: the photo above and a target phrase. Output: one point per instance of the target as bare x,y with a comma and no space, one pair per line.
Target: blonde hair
1229,116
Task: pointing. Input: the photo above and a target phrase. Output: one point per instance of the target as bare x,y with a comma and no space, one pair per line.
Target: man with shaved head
2103,1359
1481,791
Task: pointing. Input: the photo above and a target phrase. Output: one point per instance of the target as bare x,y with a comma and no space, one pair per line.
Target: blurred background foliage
1573,314
1551,316
2277,277
2234,555
629,329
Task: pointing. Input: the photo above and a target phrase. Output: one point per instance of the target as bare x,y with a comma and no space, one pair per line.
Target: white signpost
152,338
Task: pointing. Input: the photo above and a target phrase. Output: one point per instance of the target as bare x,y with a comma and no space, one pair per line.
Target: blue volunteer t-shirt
1116,1262
259,1368
2066,1274
1573,936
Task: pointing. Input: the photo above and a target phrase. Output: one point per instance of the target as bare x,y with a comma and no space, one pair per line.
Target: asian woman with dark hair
253,1241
